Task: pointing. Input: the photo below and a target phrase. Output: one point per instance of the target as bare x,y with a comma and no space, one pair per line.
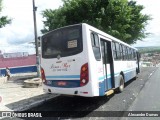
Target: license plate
61,83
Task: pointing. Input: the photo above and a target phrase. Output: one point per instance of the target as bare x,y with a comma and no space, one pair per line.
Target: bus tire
121,84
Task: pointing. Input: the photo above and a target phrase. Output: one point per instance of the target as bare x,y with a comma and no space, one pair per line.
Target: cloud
16,36
21,31
151,8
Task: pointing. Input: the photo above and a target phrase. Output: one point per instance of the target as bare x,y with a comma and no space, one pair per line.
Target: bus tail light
84,78
43,75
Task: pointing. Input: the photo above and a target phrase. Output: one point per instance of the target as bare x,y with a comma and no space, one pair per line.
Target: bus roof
107,35
95,30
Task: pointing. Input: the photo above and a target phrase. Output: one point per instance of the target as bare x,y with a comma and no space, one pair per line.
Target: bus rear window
62,42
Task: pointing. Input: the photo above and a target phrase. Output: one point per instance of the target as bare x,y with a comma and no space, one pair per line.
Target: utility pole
36,39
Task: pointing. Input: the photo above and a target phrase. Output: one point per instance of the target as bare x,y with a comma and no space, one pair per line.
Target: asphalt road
148,99
117,102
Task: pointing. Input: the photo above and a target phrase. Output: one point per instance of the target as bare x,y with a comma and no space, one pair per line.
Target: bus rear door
107,60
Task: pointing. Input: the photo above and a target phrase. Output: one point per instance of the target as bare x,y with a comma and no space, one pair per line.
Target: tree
120,18
54,19
3,19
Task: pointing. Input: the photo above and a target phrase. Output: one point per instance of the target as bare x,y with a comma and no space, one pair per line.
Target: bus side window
95,46
132,54
102,50
124,52
135,56
121,52
129,53
118,51
114,50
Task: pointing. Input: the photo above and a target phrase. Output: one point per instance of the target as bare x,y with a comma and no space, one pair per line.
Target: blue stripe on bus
109,75
64,76
130,70
127,74
109,83
101,88
68,83
101,78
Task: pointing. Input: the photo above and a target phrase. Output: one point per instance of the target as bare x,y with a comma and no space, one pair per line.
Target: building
20,62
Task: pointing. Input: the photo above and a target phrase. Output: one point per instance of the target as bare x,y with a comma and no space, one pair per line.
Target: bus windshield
62,42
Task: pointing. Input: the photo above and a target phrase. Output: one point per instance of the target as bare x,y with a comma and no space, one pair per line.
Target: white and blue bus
82,60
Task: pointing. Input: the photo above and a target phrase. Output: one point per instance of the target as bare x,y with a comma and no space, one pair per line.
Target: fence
17,70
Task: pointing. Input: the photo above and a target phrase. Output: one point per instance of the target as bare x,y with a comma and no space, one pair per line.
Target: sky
151,8
16,37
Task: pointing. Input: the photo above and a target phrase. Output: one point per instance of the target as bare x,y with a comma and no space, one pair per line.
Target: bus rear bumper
68,91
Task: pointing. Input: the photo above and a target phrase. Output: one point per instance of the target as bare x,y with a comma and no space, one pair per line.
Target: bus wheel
121,85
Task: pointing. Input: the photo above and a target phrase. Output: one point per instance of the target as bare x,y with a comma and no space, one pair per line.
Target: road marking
150,75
